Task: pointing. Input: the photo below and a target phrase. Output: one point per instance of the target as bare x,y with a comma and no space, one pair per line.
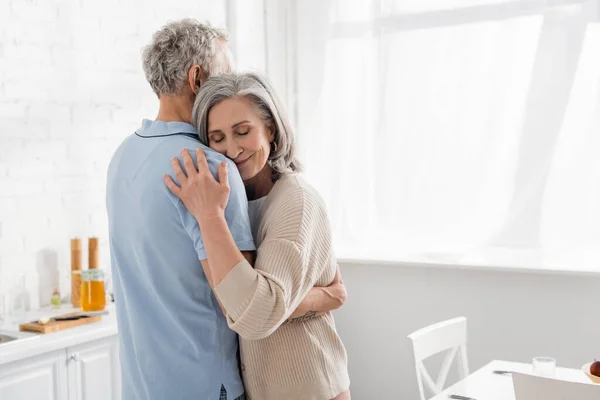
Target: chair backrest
529,387
448,335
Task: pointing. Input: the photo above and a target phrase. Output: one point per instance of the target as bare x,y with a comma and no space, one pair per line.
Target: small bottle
55,299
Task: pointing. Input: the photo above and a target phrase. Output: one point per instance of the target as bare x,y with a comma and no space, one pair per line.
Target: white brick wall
71,88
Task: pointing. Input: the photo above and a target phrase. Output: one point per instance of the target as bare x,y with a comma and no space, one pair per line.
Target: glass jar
92,290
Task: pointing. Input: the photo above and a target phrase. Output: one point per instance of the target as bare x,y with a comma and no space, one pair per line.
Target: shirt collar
160,128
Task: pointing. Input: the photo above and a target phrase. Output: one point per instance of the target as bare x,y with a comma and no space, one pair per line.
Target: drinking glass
544,366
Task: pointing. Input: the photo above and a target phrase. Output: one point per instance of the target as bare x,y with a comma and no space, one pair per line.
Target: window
467,134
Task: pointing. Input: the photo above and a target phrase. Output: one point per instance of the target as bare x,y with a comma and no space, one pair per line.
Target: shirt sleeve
236,212
258,300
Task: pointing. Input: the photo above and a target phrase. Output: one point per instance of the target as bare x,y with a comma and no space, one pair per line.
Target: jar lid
92,275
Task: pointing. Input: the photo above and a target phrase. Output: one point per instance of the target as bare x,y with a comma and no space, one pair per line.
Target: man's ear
196,77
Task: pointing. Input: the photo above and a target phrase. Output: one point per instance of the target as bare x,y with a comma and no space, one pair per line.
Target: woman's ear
196,77
271,128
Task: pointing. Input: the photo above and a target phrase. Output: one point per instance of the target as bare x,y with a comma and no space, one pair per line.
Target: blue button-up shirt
174,339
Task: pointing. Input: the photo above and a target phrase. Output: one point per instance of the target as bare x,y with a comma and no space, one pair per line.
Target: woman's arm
249,255
257,300
317,302
321,300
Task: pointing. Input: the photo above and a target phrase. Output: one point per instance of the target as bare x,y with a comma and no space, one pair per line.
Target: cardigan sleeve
293,256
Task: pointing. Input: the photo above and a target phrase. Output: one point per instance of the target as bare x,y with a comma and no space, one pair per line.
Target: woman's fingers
179,174
201,161
188,163
222,173
198,189
172,186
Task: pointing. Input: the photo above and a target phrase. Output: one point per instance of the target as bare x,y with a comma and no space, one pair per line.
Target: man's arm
206,269
236,214
320,300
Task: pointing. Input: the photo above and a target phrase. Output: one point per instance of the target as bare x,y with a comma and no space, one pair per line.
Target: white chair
448,335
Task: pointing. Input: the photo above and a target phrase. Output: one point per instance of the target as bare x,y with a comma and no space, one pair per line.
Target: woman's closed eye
243,132
216,139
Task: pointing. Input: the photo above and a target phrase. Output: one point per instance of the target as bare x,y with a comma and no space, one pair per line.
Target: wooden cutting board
55,326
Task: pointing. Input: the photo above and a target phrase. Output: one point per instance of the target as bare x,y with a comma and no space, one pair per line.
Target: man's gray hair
175,48
260,92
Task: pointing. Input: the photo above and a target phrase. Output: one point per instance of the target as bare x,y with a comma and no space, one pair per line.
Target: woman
240,116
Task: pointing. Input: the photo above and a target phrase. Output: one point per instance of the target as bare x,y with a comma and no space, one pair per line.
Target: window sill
513,261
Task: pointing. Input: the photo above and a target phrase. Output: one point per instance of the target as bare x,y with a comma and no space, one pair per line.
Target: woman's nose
233,150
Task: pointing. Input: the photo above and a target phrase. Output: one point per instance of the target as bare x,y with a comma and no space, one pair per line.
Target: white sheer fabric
463,131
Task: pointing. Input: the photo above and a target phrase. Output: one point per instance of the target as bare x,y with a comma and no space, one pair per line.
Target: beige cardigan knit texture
299,360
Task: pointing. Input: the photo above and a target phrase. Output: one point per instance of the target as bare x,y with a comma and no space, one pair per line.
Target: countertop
35,344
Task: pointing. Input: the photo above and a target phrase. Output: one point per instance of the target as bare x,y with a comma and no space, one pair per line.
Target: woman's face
236,130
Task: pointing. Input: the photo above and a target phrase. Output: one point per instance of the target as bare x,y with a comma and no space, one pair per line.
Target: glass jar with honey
92,290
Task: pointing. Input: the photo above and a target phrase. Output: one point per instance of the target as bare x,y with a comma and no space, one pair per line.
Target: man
174,339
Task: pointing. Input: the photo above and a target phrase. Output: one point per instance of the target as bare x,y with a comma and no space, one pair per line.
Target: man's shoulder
175,145
147,158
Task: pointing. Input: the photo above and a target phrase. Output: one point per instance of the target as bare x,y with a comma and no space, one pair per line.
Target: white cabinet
41,377
93,370
88,371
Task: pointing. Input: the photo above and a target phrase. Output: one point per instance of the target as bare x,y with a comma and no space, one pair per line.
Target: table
483,384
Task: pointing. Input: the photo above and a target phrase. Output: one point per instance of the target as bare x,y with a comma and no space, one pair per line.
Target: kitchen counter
34,344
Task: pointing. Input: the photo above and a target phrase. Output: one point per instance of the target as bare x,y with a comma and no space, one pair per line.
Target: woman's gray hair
260,92
175,48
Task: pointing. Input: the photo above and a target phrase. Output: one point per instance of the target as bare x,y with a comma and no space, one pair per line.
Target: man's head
182,55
